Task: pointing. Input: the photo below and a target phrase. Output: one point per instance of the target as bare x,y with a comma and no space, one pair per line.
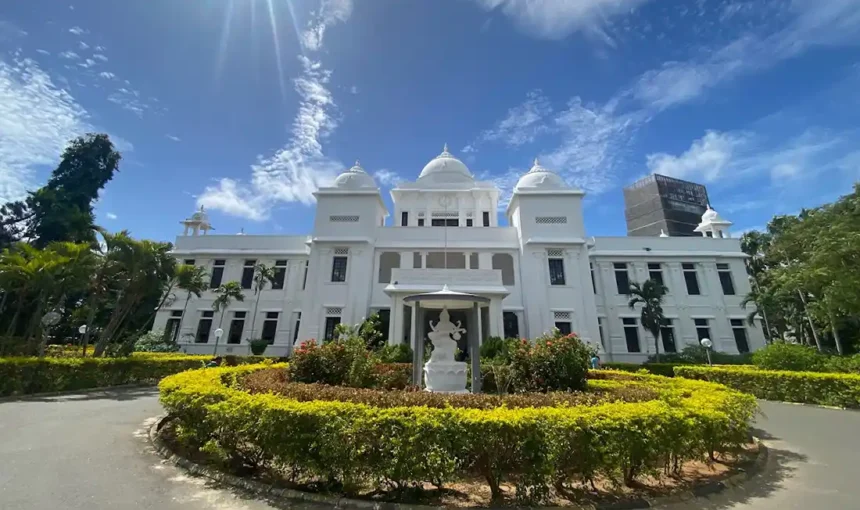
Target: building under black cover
658,203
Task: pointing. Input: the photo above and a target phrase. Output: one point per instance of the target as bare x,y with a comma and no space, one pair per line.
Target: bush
353,445
697,355
664,369
843,364
155,341
785,356
553,362
841,390
498,348
22,376
258,346
400,353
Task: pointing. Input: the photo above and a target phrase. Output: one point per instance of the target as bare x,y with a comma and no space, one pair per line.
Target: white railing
446,276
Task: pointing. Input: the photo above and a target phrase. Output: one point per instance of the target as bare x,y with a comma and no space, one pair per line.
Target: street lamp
218,333
49,320
707,344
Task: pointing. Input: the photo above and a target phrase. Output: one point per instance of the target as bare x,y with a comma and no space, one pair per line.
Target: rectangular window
217,273
740,333
600,326
593,280
330,324
667,336
556,271
511,324
237,325
622,279
691,278
404,219
563,327
631,334
726,279
420,222
655,272
298,325
444,222
305,277
469,222
171,329
248,274
280,274
270,327
188,262
486,215
203,327
702,329
338,269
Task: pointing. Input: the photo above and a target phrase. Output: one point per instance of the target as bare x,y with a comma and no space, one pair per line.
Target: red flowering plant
553,362
337,362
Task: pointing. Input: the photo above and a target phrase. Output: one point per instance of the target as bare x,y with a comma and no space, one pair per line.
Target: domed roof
446,168
539,178
711,216
355,178
200,215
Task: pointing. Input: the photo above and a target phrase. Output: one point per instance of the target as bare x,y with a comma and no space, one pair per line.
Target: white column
485,260
423,260
412,332
406,259
495,317
398,320
392,320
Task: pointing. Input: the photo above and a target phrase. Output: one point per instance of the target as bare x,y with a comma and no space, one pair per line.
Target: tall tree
650,296
193,280
262,274
227,293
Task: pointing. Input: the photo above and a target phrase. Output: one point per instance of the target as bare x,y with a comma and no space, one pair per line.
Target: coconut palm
262,275
226,293
650,296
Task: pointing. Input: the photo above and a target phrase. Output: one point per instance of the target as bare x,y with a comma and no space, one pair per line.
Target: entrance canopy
446,298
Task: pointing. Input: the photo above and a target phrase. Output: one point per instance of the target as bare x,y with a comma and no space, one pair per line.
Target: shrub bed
355,446
842,390
785,356
22,376
664,369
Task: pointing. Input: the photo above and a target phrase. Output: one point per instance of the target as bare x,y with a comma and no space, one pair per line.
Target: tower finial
357,164
445,148
537,163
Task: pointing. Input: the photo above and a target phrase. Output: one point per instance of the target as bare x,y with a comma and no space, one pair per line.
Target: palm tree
227,292
262,275
650,295
193,280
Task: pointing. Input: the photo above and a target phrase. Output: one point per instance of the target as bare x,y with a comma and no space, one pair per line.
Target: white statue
443,344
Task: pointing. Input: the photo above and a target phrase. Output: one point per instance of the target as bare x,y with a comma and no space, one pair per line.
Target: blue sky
247,106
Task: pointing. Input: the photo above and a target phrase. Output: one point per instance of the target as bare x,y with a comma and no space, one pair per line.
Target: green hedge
842,390
22,376
664,369
353,445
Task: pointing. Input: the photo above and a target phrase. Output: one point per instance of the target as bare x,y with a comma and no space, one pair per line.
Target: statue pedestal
445,376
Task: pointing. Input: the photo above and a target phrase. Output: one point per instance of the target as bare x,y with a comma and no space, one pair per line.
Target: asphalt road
89,452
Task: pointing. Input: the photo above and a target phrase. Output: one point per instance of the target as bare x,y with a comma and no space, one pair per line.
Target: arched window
505,263
387,261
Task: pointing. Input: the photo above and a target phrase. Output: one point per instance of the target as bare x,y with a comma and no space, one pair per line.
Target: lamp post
218,333
707,344
49,320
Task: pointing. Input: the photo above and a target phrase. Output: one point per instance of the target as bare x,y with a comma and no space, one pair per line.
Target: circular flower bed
624,428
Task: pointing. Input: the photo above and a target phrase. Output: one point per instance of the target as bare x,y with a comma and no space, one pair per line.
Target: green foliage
22,376
842,390
400,353
553,362
155,341
650,295
351,445
498,348
784,356
664,369
697,355
335,363
258,346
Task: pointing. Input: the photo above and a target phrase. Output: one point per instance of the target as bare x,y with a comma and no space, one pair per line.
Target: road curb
29,396
268,491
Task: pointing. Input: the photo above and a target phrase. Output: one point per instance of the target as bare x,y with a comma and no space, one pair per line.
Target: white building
539,271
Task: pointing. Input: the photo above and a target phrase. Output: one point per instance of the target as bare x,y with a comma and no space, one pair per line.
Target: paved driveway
88,452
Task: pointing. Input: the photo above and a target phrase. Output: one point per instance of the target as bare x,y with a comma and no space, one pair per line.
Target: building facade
657,203
540,271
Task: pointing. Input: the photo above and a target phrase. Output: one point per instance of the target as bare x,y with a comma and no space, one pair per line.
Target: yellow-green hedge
359,445
22,376
842,390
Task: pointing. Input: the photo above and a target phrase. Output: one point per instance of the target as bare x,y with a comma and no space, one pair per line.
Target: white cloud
86,64
522,124
556,19
37,118
353,90
9,31
298,169
82,45
100,48
111,216
173,138
386,177
706,158
331,12
129,99
69,55
99,56
77,31
107,75
43,52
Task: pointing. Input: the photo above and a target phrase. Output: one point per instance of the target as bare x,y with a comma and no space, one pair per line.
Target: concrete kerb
265,490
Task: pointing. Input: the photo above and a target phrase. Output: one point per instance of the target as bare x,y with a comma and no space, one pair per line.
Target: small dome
355,178
446,168
200,215
541,178
711,216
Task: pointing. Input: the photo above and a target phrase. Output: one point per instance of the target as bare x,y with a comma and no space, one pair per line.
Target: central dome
446,168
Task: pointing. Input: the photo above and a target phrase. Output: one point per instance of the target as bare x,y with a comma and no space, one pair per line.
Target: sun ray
277,42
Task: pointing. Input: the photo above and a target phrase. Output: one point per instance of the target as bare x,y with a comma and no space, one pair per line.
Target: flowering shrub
336,363
554,362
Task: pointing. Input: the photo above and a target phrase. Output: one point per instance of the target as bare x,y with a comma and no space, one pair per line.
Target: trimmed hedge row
354,446
22,376
842,390
664,369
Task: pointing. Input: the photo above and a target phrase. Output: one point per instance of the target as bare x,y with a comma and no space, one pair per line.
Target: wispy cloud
386,177
107,75
37,118
556,19
9,31
82,45
522,124
99,56
87,63
69,55
128,99
173,138
43,52
705,160
298,169
77,31
111,216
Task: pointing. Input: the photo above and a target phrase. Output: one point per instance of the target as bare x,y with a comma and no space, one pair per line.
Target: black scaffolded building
657,203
